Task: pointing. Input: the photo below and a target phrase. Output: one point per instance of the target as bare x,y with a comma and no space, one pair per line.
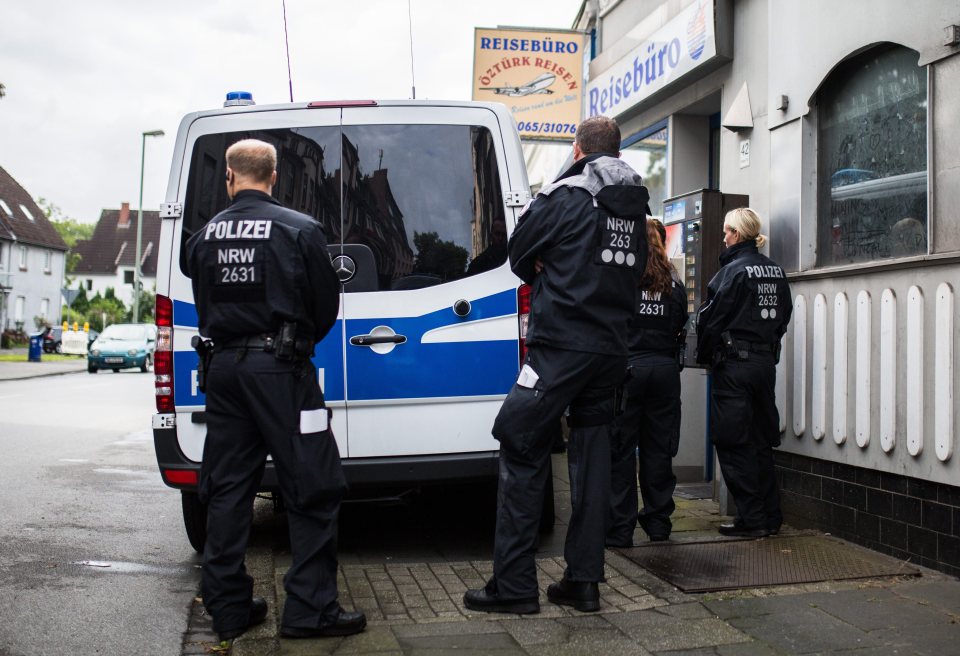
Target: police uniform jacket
262,265
749,296
658,324
588,228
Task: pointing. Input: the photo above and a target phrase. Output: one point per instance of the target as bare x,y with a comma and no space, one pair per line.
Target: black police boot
773,528
657,531
345,623
740,530
487,600
258,613
582,595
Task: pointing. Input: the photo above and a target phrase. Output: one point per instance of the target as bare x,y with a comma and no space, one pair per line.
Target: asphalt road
93,556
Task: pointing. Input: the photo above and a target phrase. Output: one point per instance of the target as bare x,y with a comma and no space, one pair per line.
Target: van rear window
414,205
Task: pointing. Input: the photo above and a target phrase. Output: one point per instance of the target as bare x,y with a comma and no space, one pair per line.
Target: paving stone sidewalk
417,608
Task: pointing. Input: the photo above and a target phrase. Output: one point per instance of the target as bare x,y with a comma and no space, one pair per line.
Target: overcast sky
85,79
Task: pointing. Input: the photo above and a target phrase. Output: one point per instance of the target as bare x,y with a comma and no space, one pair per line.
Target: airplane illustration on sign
538,85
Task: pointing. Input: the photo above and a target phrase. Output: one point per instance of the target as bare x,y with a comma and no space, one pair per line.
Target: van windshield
413,205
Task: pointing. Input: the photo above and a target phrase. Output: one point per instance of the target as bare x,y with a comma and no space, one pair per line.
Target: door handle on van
370,340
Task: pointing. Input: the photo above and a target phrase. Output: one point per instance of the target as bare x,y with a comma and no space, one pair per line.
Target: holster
204,349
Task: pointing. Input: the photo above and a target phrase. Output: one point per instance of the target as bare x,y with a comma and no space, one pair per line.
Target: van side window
421,204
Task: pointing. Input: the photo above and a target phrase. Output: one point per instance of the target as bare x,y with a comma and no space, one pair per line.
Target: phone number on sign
547,128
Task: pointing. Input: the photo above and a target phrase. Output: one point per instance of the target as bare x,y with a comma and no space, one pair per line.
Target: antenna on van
413,81
286,41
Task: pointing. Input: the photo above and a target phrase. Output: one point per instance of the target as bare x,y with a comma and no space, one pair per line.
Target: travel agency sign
683,44
537,74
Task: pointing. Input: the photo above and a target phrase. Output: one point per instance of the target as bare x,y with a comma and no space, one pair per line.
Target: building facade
107,258
839,121
32,261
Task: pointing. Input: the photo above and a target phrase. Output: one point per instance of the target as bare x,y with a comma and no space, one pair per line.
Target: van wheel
548,514
147,364
194,520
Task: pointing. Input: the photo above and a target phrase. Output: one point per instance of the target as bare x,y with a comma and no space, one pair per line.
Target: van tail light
523,317
163,355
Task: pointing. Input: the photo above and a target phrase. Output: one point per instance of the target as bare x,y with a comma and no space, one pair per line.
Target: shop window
648,157
872,149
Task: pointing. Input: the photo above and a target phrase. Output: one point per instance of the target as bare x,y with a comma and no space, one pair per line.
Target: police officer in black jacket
265,294
649,429
581,245
739,328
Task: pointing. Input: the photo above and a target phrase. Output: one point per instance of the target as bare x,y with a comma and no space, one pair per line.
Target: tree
71,230
437,257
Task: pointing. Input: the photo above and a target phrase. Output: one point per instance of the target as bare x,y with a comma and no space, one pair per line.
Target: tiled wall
905,517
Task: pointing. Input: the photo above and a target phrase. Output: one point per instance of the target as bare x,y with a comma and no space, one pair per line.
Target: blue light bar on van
237,98
342,103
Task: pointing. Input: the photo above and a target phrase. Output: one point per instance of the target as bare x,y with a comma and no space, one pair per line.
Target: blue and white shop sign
685,43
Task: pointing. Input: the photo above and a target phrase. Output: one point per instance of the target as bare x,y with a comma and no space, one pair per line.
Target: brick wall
909,518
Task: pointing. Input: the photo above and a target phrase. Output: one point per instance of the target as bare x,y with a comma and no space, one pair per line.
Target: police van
415,198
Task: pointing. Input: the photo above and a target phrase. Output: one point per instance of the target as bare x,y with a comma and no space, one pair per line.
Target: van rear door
430,314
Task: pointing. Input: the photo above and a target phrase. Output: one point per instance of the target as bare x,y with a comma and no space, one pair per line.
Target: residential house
32,260
107,258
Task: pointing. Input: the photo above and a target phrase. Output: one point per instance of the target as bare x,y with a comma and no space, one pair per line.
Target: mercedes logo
345,267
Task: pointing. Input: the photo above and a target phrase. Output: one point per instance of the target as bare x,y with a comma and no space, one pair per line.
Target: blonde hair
746,222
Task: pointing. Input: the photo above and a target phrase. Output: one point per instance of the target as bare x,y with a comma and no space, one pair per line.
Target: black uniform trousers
744,427
254,404
525,426
648,431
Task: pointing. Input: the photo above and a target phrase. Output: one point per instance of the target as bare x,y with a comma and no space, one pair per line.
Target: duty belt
267,343
756,347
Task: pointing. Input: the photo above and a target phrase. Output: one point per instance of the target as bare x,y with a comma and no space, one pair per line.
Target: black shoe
490,602
736,529
773,529
347,623
258,613
658,537
582,595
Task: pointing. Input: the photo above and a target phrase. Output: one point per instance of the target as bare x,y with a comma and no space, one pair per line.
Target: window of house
872,150
89,285
23,258
128,277
44,307
47,261
5,207
648,157
27,212
18,309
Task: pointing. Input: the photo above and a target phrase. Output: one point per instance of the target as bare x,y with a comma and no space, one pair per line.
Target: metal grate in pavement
732,564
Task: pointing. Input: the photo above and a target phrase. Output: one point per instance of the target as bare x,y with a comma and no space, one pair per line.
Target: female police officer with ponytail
649,428
739,328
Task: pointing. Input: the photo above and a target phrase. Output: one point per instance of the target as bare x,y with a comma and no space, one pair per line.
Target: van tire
147,364
548,514
194,520
91,369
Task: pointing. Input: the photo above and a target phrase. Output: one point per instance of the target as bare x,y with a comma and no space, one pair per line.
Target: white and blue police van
415,199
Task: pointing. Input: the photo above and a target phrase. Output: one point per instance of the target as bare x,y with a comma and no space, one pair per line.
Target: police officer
265,294
739,328
581,246
649,428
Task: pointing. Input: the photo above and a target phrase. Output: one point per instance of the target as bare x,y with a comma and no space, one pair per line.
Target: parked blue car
123,346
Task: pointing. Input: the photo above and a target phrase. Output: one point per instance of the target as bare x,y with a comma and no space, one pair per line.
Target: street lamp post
136,263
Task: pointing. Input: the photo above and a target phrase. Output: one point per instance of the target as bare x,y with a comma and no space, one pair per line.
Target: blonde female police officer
739,328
